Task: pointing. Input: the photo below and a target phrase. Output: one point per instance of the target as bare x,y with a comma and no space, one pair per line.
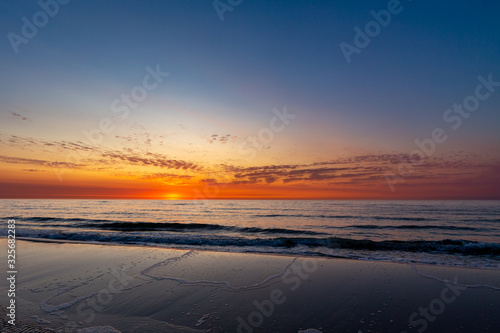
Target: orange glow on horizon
131,175
130,190
173,196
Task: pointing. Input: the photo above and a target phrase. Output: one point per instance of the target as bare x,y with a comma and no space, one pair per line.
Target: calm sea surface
455,233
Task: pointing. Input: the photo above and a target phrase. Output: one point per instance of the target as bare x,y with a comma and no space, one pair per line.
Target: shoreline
146,289
188,248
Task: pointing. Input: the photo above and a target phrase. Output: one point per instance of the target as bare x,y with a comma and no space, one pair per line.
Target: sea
447,233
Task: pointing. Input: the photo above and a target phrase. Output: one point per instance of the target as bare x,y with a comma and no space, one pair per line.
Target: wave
359,217
307,215
409,226
449,246
125,226
184,227
400,218
173,226
57,219
482,220
445,246
390,218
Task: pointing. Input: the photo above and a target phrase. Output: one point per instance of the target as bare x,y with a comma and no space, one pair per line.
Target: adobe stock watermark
266,134
372,29
293,278
120,107
29,29
436,307
222,6
96,304
454,117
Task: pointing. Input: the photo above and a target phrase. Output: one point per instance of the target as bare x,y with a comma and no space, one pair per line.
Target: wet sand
71,287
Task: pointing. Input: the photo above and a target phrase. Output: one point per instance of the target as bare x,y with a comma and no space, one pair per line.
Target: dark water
456,233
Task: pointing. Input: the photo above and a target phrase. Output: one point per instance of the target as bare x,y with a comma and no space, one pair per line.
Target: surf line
455,283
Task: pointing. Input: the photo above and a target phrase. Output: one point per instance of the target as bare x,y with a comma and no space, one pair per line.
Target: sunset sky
164,100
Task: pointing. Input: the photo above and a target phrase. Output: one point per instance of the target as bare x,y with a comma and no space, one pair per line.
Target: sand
76,287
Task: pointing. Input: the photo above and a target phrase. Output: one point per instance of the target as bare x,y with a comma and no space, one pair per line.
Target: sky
232,99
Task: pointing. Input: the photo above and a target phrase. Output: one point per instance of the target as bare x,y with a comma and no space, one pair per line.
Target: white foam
478,286
48,308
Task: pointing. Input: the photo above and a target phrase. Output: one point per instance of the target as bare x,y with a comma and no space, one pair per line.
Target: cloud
30,161
362,170
156,176
209,180
99,154
152,159
17,116
221,138
293,173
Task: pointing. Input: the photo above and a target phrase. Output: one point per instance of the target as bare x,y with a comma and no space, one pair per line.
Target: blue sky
227,76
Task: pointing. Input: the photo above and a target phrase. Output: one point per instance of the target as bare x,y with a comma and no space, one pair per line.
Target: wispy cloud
31,161
221,138
164,176
17,116
150,159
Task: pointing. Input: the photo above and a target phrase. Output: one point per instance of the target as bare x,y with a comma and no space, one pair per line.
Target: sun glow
172,196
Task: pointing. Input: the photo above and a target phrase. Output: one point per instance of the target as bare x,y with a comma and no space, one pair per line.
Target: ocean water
452,233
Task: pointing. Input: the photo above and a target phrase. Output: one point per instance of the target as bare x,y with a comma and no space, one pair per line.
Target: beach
84,287
250,166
